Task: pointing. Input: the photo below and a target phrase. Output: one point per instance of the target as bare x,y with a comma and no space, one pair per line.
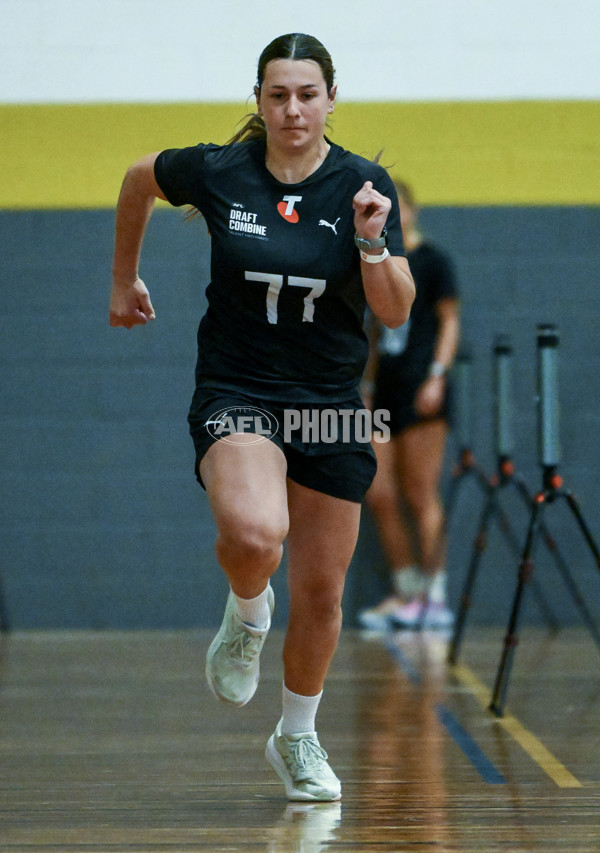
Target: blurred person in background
407,374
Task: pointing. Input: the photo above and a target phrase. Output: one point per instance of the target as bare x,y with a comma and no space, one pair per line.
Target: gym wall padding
482,108
103,524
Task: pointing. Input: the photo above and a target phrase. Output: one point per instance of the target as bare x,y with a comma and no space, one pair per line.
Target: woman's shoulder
185,173
211,154
226,155
367,168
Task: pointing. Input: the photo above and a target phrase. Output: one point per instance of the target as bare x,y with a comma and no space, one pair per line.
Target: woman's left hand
370,212
430,396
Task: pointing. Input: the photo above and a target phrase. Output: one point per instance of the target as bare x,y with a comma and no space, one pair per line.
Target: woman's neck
292,169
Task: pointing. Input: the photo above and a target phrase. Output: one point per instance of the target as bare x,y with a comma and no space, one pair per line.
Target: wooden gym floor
112,742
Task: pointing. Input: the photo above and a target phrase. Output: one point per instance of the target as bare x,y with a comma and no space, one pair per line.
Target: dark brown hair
290,46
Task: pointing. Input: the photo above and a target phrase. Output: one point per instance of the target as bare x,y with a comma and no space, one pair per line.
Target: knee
421,501
320,602
251,540
381,498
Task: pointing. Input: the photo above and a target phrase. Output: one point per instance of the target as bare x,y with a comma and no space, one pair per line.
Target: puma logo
329,225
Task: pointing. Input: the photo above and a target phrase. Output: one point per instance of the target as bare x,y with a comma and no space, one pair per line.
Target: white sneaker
232,660
306,827
426,615
381,617
301,764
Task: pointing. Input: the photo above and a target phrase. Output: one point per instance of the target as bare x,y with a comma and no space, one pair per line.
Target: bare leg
322,537
246,486
420,458
321,541
384,502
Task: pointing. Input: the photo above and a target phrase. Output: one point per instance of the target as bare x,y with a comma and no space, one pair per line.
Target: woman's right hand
130,304
430,397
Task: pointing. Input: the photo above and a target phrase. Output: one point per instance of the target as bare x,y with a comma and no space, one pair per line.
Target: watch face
364,244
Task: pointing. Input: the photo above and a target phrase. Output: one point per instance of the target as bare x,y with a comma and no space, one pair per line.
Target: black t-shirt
434,278
286,301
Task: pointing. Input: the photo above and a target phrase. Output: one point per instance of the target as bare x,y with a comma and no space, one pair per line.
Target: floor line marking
469,747
486,768
526,739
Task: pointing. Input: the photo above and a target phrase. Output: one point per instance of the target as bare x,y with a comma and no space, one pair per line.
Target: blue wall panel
102,523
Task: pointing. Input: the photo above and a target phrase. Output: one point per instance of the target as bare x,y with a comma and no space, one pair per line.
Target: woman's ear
257,96
332,97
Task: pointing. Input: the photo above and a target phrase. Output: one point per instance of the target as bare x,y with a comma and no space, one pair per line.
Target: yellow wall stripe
463,153
528,741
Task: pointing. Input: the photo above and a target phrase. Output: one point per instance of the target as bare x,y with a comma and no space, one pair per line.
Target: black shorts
327,446
396,386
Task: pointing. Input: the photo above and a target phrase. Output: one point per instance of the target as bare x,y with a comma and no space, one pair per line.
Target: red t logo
286,208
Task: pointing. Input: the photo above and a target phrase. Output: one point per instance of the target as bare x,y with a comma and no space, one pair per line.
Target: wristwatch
365,245
437,369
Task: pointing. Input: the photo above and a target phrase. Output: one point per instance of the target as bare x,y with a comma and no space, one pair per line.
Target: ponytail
253,128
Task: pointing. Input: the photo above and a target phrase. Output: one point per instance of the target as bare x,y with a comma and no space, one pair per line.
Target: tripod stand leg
511,639
564,570
479,546
451,492
562,566
466,466
569,582
549,617
583,526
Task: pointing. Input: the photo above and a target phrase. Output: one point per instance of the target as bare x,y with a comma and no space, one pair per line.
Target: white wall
181,50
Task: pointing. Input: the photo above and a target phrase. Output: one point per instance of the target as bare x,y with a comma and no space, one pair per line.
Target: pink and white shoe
422,615
381,617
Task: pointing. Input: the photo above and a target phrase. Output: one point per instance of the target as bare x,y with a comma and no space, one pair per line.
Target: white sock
299,712
437,588
254,611
408,582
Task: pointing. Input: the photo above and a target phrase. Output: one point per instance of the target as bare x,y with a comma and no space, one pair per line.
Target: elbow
399,316
394,311
395,320
135,174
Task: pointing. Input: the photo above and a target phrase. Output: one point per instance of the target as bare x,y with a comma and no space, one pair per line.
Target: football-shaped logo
292,216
